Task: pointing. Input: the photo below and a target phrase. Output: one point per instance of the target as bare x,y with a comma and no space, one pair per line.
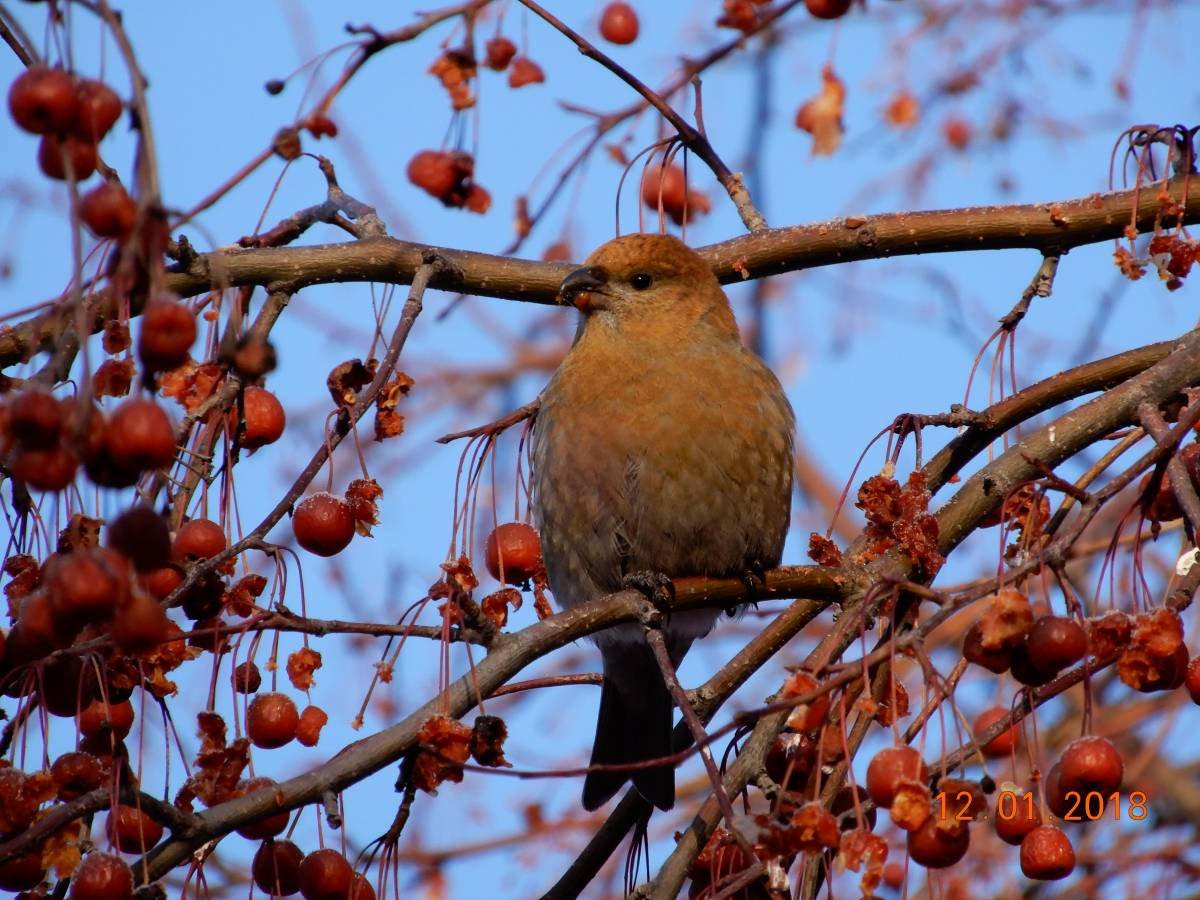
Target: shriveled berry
499,52
246,677
525,71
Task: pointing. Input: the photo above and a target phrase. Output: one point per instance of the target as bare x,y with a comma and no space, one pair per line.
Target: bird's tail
634,725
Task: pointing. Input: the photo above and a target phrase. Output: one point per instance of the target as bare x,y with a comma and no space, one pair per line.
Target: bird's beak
585,289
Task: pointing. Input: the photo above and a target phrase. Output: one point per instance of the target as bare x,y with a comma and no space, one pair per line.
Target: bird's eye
640,281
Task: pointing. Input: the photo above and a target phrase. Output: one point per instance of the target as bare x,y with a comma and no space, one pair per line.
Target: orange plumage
663,445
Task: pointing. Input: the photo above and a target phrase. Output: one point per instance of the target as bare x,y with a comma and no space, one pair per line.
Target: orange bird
662,446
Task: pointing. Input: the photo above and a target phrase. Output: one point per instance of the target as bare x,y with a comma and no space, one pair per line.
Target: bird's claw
657,587
754,577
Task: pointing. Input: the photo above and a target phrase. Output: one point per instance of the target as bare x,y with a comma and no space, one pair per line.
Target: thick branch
1046,227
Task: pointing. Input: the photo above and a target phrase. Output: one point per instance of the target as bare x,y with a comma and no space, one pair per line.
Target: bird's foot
754,576
657,587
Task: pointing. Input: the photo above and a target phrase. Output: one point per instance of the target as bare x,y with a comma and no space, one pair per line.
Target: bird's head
647,280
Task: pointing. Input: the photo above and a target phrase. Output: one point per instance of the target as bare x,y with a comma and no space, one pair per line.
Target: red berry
132,831
1091,764
22,872
100,718
678,199
325,875
42,101
938,844
790,760
197,539
141,624
161,582
52,469
845,803
1005,742
828,9
271,720
360,888
1024,671
513,552
276,868
809,716
1055,642
1013,823
54,153
435,173
499,53
87,585
168,331
142,536
268,826
140,436
1047,854
1056,794
1192,679
890,767
323,524
97,109
312,720
76,773
264,415
108,211
619,23
246,678
35,419
102,876
997,661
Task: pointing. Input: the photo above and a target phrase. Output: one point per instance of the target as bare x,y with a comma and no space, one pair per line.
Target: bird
662,446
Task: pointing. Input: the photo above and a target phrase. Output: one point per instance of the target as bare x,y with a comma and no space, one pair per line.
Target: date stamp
1090,806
